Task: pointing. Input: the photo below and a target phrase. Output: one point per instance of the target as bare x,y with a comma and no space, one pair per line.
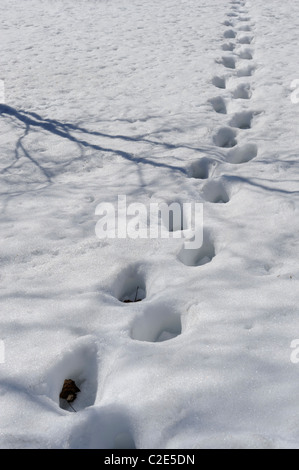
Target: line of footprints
237,60
157,323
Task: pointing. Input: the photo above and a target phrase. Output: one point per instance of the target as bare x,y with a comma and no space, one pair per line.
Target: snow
174,101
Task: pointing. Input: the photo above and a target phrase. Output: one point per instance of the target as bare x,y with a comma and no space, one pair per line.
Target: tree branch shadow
64,130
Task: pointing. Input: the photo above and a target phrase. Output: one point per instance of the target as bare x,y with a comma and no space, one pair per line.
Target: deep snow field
161,100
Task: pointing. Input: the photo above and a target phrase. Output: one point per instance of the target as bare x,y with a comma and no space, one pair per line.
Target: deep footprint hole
219,82
215,192
246,71
198,256
242,92
245,28
202,168
242,120
225,138
130,286
245,39
228,23
229,34
246,54
72,381
229,62
228,47
218,105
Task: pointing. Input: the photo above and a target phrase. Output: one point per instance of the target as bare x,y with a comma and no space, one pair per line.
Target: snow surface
170,100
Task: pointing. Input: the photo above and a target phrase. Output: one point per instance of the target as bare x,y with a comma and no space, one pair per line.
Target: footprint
242,92
246,71
158,323
229,34
225,138
245,39
202,169
199,256
242,154
228,23
232,15
244,27
229,62
219,82
215,192
101,427
244,18
130,285
242,120
218,104
228,47
79,363
246,54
